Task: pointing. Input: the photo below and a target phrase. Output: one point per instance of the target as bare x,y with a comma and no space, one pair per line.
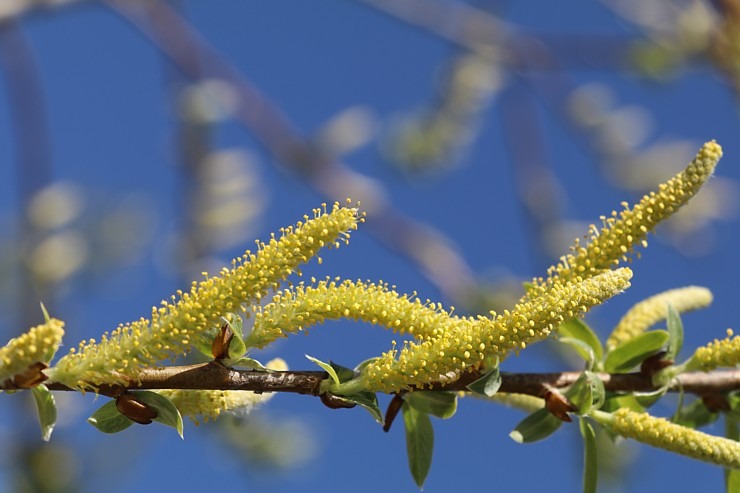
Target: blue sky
107,92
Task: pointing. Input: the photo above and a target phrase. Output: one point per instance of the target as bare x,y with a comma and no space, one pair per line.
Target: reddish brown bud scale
221,343
135,410
716,402
559,405
31,376
654,364
334,402
390,414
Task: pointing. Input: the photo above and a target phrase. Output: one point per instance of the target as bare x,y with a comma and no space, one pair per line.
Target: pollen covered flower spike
612,243
469,342
172,327
301,307
669,436
654,309
719,353
38,345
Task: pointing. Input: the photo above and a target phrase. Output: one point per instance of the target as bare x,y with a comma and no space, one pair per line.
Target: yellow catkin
209,404
468,342
37,345
609,245
654,309
301,307
663,434
172,327
718,353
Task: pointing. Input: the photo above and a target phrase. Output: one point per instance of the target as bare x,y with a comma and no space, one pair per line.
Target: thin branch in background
425,246
538,190
25,98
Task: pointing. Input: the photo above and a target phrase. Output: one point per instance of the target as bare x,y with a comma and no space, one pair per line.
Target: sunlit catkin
117,357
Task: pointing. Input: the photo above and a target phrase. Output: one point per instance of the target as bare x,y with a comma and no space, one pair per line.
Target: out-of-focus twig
32,147
426,247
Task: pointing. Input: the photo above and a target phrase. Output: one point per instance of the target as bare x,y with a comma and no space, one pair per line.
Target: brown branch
214,376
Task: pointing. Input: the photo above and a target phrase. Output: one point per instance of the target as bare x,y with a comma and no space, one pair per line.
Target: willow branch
214,376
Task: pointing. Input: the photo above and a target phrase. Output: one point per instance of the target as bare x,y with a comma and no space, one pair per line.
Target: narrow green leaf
590,457
237,348
363,364
537,426
203,341
46,313
344,374
733,399
630,354
695,415
46,408
440,404
167,413
617,401
366,400
598,390
647,399
488,384
576,328
675,331
581,394
327,368
583,350
246,362
419,443
108,420
588,392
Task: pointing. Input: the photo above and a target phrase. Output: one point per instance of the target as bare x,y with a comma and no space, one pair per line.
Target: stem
214,376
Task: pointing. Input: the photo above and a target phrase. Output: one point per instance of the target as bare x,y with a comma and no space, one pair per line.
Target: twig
214,376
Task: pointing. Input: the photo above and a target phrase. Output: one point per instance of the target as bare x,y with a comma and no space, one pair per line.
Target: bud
135,410
221,343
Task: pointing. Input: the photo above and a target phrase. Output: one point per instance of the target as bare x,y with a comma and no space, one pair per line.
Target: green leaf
630,354
327,368
588,392
51,350
576,328
419,442
47,318
590,457
203,342
695,415
733,398
647,399
365,363
582,349
246,362
344,374
617,401
108,420
440,404
237,348
537,426
167,413
675,331
366,400
46,408
488,384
